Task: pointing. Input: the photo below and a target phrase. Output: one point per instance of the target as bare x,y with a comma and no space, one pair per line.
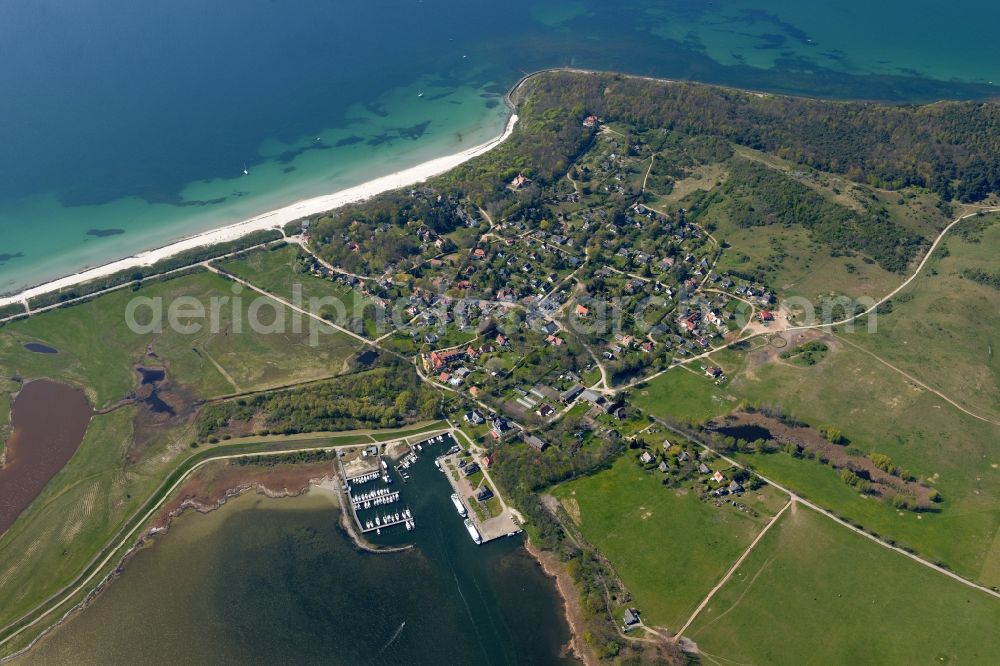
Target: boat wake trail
390,642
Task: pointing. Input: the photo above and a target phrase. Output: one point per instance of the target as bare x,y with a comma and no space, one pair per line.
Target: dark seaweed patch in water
415,132
39,348
104,233
7,257
349,141
748,433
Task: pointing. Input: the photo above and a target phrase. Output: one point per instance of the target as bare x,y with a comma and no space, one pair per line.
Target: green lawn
669,547
813,592
98,351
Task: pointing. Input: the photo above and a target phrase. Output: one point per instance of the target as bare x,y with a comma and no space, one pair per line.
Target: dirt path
831,516
916,381
732,570
222,371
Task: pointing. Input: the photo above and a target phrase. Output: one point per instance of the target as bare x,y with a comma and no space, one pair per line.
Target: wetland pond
48,422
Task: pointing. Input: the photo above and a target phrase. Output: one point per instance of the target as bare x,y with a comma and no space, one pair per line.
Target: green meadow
278,271
880,411
98,352
944,328
813,592
668,546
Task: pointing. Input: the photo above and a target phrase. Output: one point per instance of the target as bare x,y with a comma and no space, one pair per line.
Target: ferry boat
459,506
473,532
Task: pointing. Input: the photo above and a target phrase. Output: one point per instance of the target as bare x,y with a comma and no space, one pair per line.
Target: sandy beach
272,219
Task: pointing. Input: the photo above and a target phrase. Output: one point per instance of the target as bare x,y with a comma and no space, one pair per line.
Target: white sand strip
273,219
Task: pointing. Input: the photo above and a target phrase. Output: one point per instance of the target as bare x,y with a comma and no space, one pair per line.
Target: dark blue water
140,117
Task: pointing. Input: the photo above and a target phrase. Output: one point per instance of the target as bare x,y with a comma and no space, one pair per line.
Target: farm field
98,352
668,546
813,592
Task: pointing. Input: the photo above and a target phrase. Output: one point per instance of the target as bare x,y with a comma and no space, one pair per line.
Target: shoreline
274,219
208,499
571,602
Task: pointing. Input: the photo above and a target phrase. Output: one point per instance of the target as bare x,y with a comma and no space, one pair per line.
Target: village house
442,359
535,442
545,411
520,181
474,417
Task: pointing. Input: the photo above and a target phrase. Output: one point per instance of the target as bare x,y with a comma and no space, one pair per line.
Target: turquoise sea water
127,125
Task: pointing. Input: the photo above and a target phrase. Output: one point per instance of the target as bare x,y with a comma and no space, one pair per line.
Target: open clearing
98,351
812,592
944,329
278,271
668,546
879,411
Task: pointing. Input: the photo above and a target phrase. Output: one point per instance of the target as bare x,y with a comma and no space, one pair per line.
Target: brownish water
49,420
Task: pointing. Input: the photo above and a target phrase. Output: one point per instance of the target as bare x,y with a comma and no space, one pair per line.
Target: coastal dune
273,219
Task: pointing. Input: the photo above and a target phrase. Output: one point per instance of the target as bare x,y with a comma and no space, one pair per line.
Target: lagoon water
274,581
125,125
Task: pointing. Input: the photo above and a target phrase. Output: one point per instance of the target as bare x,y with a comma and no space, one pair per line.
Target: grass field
880,411
945,329
813,592
669,547
276,272
684,395
98,352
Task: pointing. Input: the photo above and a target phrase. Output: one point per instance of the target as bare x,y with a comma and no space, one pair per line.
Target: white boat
473,532
245,171
459,506
420,94
437,463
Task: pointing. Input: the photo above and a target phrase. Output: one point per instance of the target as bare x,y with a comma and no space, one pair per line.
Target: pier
404,517
367,479
379,497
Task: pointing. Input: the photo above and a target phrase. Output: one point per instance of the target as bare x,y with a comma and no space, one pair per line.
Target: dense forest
952,148
384,397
